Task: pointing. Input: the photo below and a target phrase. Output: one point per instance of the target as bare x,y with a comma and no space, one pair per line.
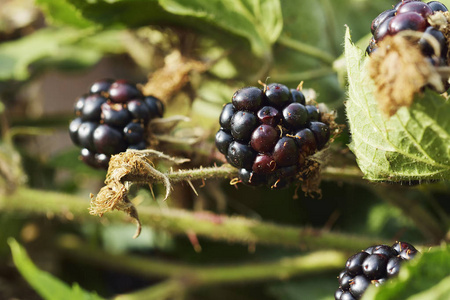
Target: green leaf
45,284
56,47
105,13
411,145
62,12
425,277
260,22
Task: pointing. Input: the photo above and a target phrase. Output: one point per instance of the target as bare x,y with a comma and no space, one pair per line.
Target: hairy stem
306,49
177,221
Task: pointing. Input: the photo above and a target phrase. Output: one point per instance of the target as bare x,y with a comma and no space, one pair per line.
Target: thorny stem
306,49
177,221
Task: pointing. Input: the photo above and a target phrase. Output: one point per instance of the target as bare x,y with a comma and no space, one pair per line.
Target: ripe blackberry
374,265
267,133
411,15
110,119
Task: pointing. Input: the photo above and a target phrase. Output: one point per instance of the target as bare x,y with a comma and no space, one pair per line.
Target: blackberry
110,119
267,133
374,265
411,15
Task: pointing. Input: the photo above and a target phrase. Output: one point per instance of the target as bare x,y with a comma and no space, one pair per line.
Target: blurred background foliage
50,53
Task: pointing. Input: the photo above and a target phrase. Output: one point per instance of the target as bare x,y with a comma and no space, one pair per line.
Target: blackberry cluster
411,15
111,118
374,265
267,134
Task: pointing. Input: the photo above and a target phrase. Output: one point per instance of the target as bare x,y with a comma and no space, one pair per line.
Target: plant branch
306,49
192,275
176,221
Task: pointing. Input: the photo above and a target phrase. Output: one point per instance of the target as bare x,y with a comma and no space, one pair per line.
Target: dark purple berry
264,164
337,294
88,157
385,250
134,133
393,266
400,246
358,286
427,48
243,124
374,266
437,6
381,18
251,178
278,94
73,130
102,160
92,108
240,155
401,2
269,115
156,107
321,133
407,21
354,263
370,249
378,282
248,98
383,29
101,86
416,6
344,281
347,296
115,114
79,104
139,110
264,138
313,113
138,146
297,96
286,172
223,141
286,152
121,91
408,254
295,116
226,115
341,274
108,140
85,135
306,141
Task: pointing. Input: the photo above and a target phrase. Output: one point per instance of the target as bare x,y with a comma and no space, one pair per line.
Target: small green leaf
425,277
260,21
62,12
410,145
45,284
56,47
104,13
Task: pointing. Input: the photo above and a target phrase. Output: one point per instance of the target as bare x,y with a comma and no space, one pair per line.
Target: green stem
192,275
161,291
306,49
176,221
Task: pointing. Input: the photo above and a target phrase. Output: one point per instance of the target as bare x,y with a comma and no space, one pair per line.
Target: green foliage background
284,41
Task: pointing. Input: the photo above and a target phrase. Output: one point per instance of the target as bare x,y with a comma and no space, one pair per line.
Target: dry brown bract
399,71
135,166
